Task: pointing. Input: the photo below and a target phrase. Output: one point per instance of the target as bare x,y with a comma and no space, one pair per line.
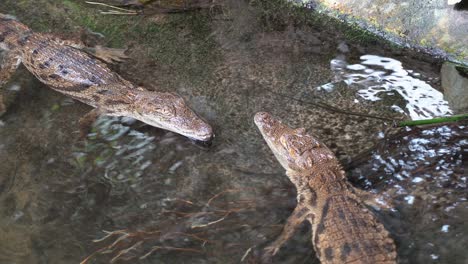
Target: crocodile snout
261,117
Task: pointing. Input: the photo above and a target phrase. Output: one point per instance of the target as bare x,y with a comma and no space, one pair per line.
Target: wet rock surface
427,25
455,84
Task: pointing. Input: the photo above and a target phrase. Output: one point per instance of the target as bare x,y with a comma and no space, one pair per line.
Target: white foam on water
409,199
417,179
445,228
356,67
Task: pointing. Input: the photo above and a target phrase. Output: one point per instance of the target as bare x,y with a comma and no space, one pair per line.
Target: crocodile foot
268,253
376,201
109,55
86,122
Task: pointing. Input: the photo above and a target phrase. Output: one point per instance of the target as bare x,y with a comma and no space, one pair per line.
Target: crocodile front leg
378,202
87,121
299,215
109,55
9,64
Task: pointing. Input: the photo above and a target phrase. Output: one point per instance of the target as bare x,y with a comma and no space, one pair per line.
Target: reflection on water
377,76
123,160
423,171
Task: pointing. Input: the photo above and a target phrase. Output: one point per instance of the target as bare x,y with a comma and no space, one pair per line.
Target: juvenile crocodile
63,66
343,229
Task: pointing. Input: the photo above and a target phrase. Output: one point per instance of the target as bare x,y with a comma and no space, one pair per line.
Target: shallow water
424,173
172,201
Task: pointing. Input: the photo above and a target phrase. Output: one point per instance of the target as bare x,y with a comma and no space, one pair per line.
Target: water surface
132,192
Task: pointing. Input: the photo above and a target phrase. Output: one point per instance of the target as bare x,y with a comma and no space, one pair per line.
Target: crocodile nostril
260,116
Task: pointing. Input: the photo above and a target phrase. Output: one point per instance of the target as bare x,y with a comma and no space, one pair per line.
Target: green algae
463,70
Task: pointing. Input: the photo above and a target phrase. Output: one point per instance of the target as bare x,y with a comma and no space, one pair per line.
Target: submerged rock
455,85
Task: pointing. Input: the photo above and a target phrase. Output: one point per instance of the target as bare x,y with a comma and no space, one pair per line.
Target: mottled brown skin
63,66
343,228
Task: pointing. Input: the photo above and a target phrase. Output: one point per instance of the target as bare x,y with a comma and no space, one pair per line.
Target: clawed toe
110,55
86,122
268,253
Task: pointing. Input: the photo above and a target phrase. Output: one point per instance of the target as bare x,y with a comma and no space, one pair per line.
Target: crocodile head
169,111
295,150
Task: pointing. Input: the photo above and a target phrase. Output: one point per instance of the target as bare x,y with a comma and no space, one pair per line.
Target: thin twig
129,13
125,251
330,107
246,254
213,222
184,201
109,234
225,191
121,238
110,6
89,257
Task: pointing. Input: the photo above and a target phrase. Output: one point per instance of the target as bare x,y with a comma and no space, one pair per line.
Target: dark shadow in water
462,5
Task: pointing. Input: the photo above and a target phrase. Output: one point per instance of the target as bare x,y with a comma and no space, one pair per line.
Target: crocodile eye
179,101
165,111
297,145
309,162
284,141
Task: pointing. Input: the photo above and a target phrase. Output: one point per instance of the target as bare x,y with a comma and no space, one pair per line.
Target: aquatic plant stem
330,107
118,11
454,118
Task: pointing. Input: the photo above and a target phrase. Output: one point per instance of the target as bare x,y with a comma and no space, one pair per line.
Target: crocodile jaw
169,111
198,130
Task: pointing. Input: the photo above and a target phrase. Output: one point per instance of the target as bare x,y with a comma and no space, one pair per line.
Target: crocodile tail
349,233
